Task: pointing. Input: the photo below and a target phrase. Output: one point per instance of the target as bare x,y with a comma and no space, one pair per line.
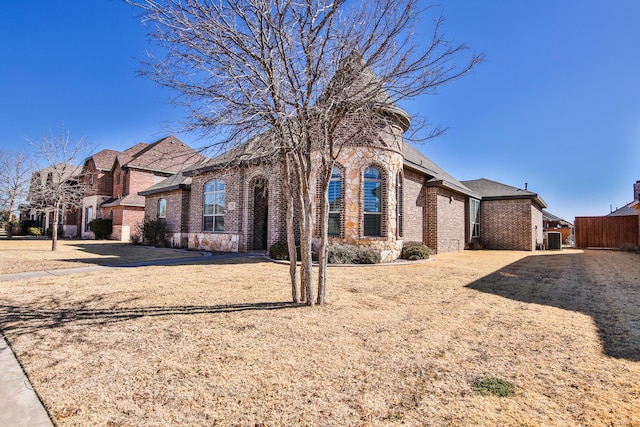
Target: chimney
526,184
636,191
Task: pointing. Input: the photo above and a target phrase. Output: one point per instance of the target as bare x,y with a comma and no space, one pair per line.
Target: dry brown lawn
219,344
24,254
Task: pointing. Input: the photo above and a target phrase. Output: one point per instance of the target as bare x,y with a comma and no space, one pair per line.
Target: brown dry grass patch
219,344
25,254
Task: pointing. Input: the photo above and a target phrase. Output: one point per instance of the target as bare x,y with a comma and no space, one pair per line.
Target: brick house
382,193
35,209
509,218
114,178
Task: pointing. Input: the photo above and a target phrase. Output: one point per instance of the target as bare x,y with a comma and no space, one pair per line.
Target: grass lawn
23,254
220,344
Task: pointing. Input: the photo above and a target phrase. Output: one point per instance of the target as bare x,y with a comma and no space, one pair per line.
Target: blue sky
556,104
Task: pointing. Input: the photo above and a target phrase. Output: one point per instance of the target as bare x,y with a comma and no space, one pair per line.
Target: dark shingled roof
174,182
168,155
625,210
104,159
488,189
256,150
414,159
548,216
128,200
132,151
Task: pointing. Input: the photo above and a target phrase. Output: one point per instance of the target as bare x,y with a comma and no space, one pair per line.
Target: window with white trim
214,203
474,218
88,217
372,202
335,202
162,208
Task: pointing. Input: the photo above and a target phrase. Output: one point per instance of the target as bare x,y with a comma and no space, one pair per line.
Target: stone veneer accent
214,242
353,161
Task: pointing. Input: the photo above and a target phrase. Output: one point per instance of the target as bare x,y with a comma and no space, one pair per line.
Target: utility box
554,240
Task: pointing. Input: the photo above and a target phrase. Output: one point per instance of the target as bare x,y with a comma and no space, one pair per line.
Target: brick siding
509,224
413,211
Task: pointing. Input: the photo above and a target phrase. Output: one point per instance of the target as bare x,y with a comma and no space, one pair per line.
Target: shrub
27,224
279,250
341,254
102,228
60,231
349,254
494,386
367,256
33,231
630,247
154,232
414,251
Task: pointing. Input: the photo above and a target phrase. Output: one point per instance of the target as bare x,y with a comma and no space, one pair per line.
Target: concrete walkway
20,406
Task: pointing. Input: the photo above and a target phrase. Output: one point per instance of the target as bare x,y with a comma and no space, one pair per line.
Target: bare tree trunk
54,232
12,205
324,238
306,232
291,238
306,223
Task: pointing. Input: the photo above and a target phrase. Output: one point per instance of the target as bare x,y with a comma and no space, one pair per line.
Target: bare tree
247,66
15,176
58,186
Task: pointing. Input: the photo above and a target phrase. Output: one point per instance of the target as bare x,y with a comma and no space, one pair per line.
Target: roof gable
167,155
103,160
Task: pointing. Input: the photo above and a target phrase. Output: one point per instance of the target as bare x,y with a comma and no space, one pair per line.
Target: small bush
341,254
349,254
154,232
34,231
102,228
494,387
279,250
414,251
630,247
368,256
60,232
26,224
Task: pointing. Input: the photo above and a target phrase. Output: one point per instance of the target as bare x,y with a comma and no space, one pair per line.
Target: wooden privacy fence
607,231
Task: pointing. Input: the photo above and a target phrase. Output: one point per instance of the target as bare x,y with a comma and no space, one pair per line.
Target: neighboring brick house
510,218
168,201
41,211
114,179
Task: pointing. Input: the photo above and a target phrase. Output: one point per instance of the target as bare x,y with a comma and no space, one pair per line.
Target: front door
260,215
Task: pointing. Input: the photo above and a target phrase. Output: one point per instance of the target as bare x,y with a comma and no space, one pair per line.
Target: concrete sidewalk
19,404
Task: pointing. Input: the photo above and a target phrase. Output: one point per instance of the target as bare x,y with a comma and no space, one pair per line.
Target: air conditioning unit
554,240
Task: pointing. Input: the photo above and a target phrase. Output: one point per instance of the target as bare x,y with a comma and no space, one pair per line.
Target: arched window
162,208
372,202
335,202
214,205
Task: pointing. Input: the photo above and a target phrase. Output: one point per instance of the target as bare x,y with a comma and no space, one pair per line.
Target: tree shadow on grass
18,319
574,282
127,255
